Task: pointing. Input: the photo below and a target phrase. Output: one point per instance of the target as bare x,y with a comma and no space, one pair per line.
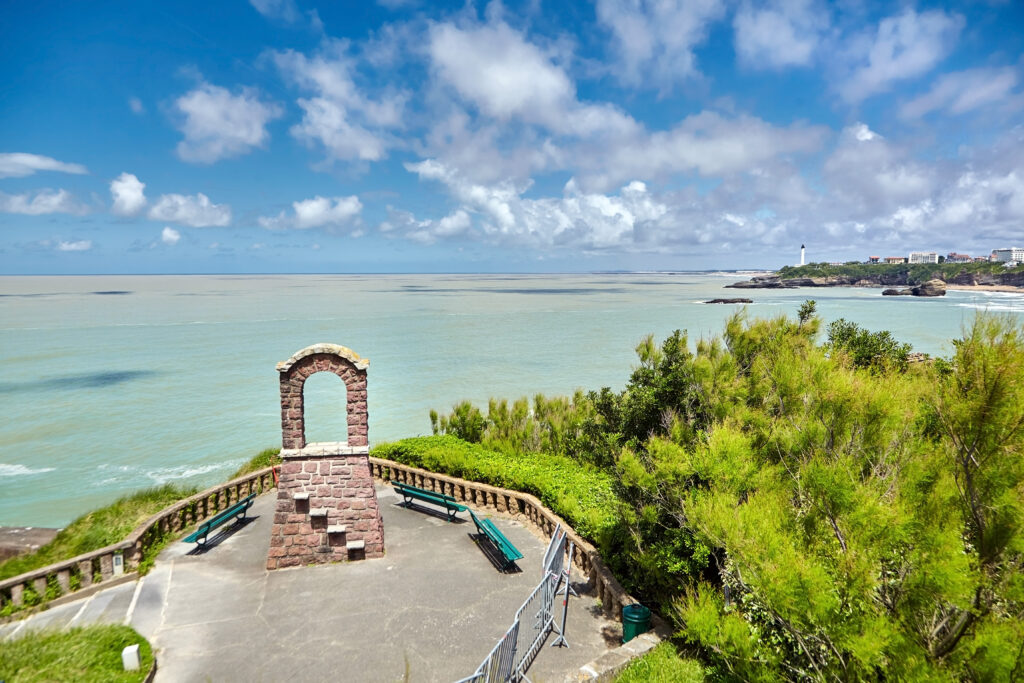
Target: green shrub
581,495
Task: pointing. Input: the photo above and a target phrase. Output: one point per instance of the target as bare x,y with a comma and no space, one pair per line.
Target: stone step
337,529
318,512
355,545
301,496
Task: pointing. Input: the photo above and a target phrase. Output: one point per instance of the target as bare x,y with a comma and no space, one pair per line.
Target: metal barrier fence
517,649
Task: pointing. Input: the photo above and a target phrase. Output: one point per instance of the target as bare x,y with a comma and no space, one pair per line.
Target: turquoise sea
115,383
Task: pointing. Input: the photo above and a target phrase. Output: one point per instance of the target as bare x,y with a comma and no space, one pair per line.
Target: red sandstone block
361,525
297,550
288,562
291,468
341,470
280,518
310,467
325,467
276,540
315,479
323,491
296,518
303,476
358,504
289,529
276,551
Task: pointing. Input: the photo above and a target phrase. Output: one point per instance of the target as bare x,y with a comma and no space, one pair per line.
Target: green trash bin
636,619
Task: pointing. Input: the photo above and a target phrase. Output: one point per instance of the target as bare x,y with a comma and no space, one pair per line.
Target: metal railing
516,650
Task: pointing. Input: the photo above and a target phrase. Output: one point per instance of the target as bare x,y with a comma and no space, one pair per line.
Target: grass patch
663,664
265,458
88,654
580,494
98,528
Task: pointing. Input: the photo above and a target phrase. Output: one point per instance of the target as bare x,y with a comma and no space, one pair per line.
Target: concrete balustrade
94,570
522,506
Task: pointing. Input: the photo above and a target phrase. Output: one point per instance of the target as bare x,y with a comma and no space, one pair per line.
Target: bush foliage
814,511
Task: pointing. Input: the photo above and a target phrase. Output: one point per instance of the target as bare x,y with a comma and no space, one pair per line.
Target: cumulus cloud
42,202
779,34
318,212
339,116
196,211
128,193
136,105
20,164
902,47
577,219
655,39
219,125
79,245
963,91
169,236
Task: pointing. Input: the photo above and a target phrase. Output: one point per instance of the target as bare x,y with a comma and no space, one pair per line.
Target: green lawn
84,655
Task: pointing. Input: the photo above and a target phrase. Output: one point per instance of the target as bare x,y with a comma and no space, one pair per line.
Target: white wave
993,306
20,470
166,474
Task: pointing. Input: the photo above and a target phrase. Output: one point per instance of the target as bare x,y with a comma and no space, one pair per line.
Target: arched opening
325,398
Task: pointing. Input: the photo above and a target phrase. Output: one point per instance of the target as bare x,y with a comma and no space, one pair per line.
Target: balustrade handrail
587,559
134,545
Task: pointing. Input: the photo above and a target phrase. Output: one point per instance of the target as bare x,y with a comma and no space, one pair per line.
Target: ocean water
114,383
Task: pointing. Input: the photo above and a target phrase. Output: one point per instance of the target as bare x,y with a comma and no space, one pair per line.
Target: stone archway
326,503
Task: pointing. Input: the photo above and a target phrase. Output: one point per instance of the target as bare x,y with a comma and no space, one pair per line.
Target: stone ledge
323,449
355,545
318,512
337,529
330,349
301,496
609,665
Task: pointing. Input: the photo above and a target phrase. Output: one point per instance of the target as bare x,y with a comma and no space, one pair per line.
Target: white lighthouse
801,254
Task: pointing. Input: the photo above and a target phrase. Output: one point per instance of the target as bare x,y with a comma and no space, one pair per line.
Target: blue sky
405,136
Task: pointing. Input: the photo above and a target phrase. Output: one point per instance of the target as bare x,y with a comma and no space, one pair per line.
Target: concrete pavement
430,610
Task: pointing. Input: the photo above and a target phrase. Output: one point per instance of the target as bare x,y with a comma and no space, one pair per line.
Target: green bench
236,511
409,493
508,551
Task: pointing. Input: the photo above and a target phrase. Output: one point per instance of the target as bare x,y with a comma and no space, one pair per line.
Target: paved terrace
434,606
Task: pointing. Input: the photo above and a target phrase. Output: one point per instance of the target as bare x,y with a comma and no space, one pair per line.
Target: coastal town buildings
1008,255
953,257
895,259
924,257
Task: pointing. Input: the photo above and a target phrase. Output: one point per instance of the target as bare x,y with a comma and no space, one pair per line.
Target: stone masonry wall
326,503
340,485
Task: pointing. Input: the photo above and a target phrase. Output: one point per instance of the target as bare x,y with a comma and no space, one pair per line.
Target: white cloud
577,219
44,202
219,125
20,164
340,117
317,212
903,47
655,39
80,245
194,211
496,69
284,10
963,91
169,236
128,193
136,105
780,34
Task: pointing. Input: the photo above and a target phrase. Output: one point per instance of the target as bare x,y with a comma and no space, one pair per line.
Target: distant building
953,257
895,259
1008,254
982,259
873,259
923,257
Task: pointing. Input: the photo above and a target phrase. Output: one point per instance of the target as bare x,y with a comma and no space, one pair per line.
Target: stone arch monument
326,504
